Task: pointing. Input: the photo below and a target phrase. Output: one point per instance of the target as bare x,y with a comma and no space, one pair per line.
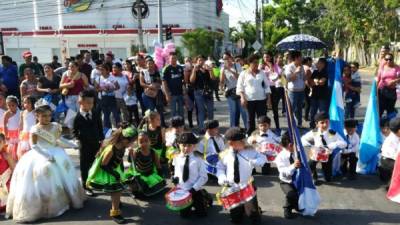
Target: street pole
257,23
160,24
140,29
261,24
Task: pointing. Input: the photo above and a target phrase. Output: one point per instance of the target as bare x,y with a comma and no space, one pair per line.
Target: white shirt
252,86
390,147
258,138
95,75
123,85
298,84
313,138
207,144
285,168
197,172
248,159
83,113
354,143
130,99
107,82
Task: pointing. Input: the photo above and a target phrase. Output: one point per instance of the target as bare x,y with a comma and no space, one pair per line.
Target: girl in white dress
28,120
11,125
45,183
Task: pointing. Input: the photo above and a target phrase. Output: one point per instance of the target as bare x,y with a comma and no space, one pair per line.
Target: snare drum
235,196
178,199
270,150
211,164
319,154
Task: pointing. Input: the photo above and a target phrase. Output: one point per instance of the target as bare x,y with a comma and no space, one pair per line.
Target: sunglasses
388,59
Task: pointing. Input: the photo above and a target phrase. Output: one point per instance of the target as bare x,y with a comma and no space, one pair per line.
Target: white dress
40,188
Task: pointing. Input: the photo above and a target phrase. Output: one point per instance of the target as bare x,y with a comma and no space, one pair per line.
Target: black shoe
119,219
256,219
287,213
352,177
317,182
89,193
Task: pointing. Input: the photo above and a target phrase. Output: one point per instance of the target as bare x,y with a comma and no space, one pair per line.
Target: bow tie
264,135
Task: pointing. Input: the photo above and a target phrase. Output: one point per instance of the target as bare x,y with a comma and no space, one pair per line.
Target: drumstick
137,202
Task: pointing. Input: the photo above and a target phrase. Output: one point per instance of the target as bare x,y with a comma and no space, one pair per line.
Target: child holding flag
287,165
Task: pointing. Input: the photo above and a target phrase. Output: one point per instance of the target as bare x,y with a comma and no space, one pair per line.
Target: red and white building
66,27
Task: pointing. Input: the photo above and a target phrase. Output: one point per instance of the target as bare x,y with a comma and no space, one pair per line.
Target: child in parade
287,165
44,182
7,165
322,138
211,145
349,155
88,130
263,135
11,125
151,123
28,120
390,149
3,109
171,134
144,169
235,169
385,130
190,174
106,173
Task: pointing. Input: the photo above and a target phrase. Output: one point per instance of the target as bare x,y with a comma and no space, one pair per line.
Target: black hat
350,123
234,134
321,116
187,138
263,119
394,124
177,121
211,124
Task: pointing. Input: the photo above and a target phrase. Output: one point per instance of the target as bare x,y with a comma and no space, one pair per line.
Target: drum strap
205,148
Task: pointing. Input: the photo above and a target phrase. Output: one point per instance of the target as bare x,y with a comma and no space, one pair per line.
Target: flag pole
290,121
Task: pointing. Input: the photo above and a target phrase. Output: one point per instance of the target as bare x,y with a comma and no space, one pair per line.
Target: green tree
200,41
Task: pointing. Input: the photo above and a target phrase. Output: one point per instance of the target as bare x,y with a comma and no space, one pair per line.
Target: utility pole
160,24
257,23
140,28
261,24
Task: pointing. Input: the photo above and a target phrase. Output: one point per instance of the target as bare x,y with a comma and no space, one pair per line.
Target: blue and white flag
309,198
371,139
336,115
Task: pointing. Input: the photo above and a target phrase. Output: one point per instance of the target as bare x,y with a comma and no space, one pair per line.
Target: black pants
348,163
291,196
201,200
249,208
254,108
386,169
385,103
326,168
87,155
277,94
133,112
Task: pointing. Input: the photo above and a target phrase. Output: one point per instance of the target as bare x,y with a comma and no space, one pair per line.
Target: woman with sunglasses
388,78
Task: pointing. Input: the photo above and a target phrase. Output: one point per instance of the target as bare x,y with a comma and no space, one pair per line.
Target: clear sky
240,10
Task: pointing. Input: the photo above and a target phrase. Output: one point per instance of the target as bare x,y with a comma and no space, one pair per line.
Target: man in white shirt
350,153
390,149
235,169
190,174
322,138
287,164
296,77
253,89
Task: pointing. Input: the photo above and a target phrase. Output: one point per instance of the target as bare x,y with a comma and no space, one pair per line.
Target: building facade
67,27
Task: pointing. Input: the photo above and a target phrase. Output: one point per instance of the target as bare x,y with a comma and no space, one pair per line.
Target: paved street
358,202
